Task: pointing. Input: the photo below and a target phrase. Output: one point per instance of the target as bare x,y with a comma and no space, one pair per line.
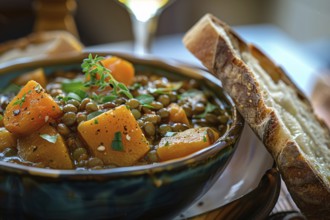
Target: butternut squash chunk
177,114
185,143
37,75
115,137
7,139
121,70
30,110
45,146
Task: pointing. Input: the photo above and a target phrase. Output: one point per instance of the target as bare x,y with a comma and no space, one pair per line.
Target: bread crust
221,50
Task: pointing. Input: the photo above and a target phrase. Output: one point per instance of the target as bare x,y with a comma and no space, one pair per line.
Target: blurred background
104,21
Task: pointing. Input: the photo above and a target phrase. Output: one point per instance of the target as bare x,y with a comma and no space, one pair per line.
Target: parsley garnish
50,138
191,94
20,101
96,121
93,115
74,85
72,95
145,98
209,108
101,77
167,144
204,139
117,143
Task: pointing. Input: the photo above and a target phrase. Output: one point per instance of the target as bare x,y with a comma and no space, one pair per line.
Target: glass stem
144,32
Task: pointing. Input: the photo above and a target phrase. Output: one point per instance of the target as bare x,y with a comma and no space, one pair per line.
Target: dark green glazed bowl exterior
158,191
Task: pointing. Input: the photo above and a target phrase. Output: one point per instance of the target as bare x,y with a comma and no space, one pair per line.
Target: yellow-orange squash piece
36,149
185,143
121,70
37,75
102,132
7,139
30,110
177,114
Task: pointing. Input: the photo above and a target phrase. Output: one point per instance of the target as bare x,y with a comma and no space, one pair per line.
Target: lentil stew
107,114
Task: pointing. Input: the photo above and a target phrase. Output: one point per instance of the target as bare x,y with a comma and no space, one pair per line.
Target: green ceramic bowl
159,191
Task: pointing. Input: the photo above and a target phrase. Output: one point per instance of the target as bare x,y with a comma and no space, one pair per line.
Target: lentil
69,118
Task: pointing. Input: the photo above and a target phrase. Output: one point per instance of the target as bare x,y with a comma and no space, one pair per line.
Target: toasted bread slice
275,109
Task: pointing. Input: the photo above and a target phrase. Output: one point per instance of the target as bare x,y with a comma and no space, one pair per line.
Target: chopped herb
117,143
20,101
170,134
1,117
209,108
204,139
50,138
93,115
96,121
167,144
145,99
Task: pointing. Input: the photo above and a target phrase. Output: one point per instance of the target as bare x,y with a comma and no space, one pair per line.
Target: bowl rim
234,132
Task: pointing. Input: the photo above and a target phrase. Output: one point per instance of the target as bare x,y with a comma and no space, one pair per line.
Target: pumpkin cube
185,143
45,146
115,137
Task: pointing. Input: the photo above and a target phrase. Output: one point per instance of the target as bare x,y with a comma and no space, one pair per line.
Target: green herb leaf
167,144
191,94
20,101
209,108
117,143
204,139
94,114
108,98
122,86
50,138
72,95
96,121
135,86
1,117
72,85
148,106
145,98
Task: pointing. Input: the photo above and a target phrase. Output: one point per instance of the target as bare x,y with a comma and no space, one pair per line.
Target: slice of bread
275,109
40,44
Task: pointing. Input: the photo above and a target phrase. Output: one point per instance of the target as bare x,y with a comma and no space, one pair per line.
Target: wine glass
144,17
